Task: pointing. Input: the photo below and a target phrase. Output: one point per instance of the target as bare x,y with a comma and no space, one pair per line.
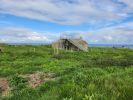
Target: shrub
18,83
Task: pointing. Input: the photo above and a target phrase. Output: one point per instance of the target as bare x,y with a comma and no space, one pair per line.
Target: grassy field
99,74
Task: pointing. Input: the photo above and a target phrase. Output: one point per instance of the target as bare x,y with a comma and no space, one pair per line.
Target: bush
18,83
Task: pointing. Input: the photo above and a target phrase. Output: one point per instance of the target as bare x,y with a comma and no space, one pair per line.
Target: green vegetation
99,74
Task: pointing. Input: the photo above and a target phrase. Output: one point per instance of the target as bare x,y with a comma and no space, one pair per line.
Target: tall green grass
99,74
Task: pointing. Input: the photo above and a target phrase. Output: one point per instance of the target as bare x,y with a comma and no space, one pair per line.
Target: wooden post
34,49
54,50
0,50
57,51
71,50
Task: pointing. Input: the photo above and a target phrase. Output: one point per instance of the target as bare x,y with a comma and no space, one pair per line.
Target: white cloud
129,3
23,35
70,12
108,38
121,34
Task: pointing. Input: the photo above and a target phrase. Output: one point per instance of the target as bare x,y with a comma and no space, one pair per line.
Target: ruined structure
72,44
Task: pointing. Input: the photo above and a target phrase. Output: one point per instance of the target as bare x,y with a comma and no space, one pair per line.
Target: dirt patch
4,87
34,80
38,78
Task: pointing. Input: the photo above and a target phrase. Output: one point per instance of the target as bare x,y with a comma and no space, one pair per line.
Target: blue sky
43,21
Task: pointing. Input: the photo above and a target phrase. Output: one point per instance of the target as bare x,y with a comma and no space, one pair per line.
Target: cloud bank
121,34
68,12
23,35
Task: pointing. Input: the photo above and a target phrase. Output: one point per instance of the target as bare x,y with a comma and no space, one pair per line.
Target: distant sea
112,45
90,45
